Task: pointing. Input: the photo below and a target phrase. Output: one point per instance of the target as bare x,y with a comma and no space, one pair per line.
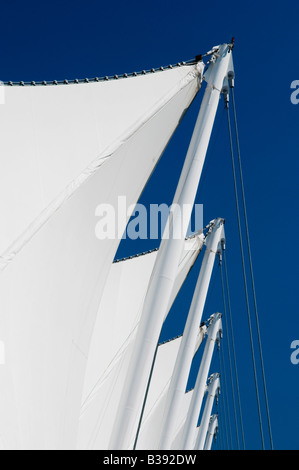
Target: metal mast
212,431
166,265
196,402
213,390
183,363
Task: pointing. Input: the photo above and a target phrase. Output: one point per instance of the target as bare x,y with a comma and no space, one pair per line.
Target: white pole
166,265
213,389
196,401
200,337
184,359
213,425
178,436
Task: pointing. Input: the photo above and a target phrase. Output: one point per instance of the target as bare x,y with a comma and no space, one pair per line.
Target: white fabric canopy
121,307
112,340
155,407
54,137
65,149
155,404
149,434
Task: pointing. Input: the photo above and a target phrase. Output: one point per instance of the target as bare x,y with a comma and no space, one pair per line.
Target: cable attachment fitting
231,78
231,44
225,92
223,244
213,58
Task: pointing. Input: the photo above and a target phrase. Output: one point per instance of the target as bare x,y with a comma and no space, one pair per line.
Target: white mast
183,363
161,283
213,390
213,426
196,401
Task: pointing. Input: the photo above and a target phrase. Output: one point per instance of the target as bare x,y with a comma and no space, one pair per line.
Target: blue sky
58,40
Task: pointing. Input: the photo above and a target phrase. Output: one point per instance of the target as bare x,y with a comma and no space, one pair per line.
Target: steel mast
166,265
183,363
213,390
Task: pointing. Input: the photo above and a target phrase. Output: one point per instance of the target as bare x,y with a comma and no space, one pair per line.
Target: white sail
121,306
97,418
149,435
155,404
176,443
64,150
112,340
54,137
158,393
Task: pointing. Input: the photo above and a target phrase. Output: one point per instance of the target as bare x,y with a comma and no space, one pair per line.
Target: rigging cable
233,345
220,425
250,261
229,353
244,275
225,401
145,397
